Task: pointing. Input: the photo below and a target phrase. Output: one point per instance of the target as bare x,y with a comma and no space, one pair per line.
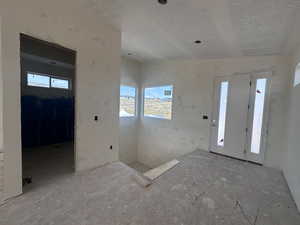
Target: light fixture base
163,2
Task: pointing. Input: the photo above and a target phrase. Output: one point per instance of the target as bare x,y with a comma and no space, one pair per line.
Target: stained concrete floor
204,189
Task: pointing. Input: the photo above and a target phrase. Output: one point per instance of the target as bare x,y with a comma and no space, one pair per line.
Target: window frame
143,102
135,101
50,78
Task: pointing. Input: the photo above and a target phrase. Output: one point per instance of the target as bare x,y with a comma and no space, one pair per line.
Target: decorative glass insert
222,112
258,115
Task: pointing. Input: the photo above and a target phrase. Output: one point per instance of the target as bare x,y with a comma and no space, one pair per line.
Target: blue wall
46,121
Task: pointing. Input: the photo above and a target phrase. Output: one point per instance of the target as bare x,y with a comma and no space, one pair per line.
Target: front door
239,120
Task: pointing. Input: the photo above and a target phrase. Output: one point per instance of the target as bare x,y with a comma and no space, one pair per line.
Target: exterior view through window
60,83
158,102
260,94
46,81
38,80
222,112
127,101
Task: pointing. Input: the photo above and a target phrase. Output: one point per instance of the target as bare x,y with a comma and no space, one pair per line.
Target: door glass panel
258,114
222,112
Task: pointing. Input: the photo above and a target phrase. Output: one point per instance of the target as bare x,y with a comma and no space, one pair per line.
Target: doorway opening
240,115
47,111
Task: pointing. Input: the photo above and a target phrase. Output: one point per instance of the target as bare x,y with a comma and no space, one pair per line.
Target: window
60,83
47,81
38,80
222,112
127,101
297,75
158,102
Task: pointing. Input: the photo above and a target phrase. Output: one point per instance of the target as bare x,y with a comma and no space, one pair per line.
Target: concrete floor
140,167
204,189
46,163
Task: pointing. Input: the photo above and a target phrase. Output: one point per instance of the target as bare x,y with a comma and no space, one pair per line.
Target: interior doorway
47,111
240,116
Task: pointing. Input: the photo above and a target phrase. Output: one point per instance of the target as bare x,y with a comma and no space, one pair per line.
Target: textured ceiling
228,28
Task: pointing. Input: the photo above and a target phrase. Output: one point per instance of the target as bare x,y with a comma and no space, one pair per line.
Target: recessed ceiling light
163,2
198,42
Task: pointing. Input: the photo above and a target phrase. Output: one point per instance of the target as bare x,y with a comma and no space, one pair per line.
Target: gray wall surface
130,76
75,26
162,140
1,176
1,122
292,158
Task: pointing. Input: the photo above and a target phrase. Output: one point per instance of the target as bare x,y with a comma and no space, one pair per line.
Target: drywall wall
1,177
98,45
130,76
1,120
161,140
292,158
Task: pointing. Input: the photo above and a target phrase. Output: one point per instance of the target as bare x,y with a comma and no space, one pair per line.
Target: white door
239,120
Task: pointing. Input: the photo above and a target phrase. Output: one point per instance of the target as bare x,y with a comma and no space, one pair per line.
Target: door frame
251,157
73,89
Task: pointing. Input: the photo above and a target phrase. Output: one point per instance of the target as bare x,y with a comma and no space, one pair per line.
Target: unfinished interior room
142,112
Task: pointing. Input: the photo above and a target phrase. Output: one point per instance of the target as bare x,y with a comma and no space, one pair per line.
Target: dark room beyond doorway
47,110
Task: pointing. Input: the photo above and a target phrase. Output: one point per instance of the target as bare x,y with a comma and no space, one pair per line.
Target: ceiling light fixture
163,2
198,42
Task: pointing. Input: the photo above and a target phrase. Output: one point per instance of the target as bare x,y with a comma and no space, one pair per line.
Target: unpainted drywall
292,158
98,45
162,140
130,76
1,120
